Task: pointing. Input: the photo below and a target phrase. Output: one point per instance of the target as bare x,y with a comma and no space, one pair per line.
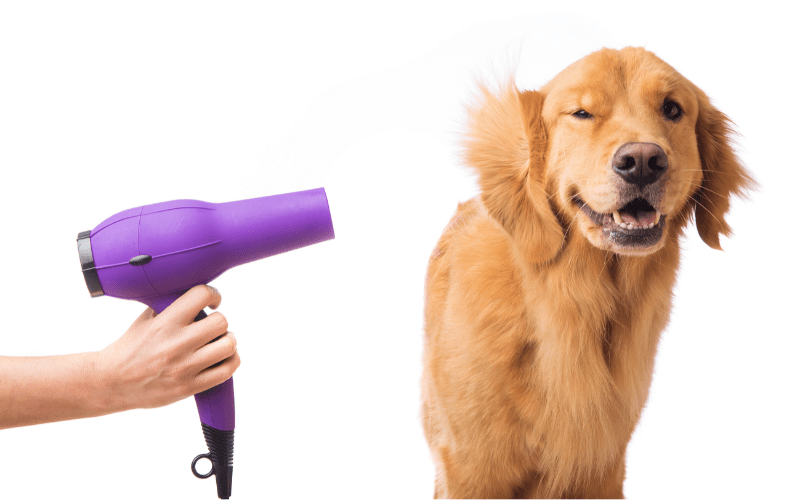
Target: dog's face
622,148
619,145
633,149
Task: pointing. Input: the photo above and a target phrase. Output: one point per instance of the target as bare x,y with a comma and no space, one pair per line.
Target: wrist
101,393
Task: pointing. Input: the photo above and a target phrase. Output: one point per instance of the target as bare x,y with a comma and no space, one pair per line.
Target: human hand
167,357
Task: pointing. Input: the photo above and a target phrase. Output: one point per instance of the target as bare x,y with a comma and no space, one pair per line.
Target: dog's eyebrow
583,96
662,83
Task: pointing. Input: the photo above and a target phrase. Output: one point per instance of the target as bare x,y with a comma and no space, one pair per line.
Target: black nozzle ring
87,264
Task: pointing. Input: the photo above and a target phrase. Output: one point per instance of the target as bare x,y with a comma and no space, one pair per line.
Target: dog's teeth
658,217
650,226
617,217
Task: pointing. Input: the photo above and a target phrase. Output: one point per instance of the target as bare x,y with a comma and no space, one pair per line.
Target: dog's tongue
640,218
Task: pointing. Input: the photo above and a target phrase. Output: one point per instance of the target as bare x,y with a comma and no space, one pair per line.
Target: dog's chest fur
569,375
594,351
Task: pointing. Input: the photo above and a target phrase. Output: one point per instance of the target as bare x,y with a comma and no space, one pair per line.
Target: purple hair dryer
155,253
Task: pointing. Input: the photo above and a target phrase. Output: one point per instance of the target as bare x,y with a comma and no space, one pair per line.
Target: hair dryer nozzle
262,227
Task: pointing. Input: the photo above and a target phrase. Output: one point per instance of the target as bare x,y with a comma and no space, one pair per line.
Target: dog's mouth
635,224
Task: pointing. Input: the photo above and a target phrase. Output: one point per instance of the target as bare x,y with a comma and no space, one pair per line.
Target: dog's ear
723,174
506,144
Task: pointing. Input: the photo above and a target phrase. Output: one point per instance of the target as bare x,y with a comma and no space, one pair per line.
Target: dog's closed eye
582,114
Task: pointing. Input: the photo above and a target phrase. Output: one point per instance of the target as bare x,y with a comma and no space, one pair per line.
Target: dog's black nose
640,163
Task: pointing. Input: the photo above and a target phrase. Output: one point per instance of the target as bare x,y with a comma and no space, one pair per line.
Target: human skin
161,359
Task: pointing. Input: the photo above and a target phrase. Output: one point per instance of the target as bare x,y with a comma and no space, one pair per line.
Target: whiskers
703,190
710,212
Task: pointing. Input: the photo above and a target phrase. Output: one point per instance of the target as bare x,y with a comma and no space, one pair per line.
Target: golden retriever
546,294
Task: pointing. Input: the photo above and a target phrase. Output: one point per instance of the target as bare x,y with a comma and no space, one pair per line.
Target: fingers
162,358
213,353
188,305
200,333
217,374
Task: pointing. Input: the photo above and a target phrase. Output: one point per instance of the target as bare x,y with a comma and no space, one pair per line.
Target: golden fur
541,331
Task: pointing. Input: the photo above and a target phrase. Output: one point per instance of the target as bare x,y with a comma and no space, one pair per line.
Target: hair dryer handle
216,405
217,417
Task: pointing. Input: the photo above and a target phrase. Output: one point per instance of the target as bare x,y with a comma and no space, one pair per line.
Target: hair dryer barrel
262,227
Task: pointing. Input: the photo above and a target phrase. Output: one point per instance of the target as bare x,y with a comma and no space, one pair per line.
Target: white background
110,105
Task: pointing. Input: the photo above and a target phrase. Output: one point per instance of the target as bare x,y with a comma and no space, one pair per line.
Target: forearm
36,390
